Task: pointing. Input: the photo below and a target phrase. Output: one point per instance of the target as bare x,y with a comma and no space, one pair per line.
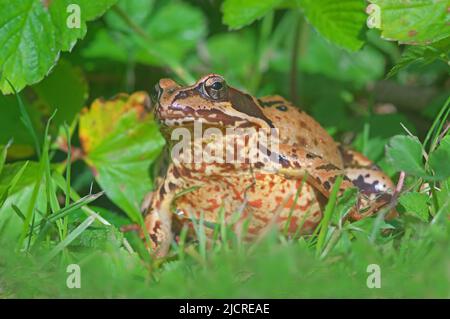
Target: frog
287,190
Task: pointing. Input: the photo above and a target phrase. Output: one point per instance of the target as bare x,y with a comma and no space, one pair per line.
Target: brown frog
306,158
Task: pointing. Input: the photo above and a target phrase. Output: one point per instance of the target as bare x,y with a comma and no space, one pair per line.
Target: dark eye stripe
244,103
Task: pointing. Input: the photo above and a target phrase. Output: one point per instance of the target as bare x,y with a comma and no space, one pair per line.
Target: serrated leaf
121,141
418,22
341,22
32,34
237,14
416,203
422,55
28,43
404,153
440,159
60,11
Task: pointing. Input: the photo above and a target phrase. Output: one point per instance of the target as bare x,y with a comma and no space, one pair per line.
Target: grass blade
3,153
70,237
12,184
329,209
26,119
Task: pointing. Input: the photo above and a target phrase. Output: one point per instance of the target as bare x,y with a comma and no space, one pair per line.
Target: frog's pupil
216,86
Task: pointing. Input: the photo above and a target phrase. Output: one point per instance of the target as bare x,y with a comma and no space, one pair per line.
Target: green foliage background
384,90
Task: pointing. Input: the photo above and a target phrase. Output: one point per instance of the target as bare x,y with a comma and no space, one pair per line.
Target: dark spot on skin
312,156
264,150
268,103
172,186
154,238
302,141
162,191
283,161
315,142
347,179
347,156
364,187
259,165
188,93
282,108
327,185
176,173
367,175
327,167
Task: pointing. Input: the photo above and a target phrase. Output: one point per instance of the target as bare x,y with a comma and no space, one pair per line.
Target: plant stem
174,65
298,48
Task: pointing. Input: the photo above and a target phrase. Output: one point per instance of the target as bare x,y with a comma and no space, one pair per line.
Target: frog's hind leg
370,180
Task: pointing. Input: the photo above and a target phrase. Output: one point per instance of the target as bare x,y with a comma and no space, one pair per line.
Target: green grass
413,250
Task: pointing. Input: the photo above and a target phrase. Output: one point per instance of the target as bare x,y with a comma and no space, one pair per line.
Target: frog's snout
167,84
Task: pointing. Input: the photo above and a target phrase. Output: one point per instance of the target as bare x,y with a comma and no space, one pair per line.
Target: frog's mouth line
207,117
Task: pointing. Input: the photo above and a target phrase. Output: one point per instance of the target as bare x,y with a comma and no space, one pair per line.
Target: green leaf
60,13
359,68
342,22
419,22
422,55
121,141
237,14
32,34
440,159
174,40
404,153
231,55
40,101
65,89
139,11
186,29
28,43
416,203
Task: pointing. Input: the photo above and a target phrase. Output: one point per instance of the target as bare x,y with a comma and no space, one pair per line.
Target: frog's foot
159,232
376,187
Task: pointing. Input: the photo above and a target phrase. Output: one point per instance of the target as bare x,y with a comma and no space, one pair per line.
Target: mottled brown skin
262,192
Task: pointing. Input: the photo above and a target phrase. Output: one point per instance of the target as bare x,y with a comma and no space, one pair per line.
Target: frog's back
299,129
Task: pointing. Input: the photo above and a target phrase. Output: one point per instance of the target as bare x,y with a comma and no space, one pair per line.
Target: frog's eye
216,88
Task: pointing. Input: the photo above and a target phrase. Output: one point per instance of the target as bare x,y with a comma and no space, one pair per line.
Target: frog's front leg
158,221
321,174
